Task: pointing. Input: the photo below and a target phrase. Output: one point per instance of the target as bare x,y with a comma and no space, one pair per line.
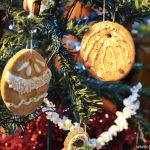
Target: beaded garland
131,103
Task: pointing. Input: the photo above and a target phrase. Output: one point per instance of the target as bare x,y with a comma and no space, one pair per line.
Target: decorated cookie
107,50
33,6
25,82
75,140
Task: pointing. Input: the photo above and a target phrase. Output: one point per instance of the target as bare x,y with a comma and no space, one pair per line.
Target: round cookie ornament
107,50
76,139
25,81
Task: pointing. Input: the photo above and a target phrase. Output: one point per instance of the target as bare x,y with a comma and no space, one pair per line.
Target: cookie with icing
107,50
75,140
25,81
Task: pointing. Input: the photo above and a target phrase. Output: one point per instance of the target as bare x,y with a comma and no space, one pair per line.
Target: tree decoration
33,6
25,5
131,106
107,49
25,82
76,139
71,86
79,11
108,106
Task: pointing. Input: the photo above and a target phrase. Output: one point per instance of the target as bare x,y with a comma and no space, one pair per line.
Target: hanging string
113,16
27,45
85,128
31,41
104,9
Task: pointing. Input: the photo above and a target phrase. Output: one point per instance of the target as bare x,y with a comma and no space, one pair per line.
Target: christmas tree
66,78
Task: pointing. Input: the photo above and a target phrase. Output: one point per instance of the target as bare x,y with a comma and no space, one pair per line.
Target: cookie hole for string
78,143
108,35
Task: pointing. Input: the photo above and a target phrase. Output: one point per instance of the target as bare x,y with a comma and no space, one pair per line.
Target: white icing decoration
28,71
114,58
37,69
95,55
88,50
23,66
40,62
103,53
120,53
31,100
121,41
22,85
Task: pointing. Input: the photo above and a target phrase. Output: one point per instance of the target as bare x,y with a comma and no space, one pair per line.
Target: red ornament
108,106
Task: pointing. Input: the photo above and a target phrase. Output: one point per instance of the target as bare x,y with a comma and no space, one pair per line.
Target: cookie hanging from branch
25,81
33,6
107,50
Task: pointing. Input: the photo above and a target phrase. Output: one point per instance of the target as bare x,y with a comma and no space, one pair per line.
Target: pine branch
83,104
11,122
144,124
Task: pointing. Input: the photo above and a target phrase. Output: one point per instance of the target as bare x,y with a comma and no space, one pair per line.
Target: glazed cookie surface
75,140
107,50
25,81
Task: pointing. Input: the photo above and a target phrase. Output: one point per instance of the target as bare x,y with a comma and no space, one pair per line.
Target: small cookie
75,140
107,50
33,6
25,81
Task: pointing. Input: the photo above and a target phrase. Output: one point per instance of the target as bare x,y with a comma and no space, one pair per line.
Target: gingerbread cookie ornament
107,50
33,6
75,140
25,81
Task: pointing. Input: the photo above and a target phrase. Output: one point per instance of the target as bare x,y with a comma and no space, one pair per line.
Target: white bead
133,97
136,88
135,106
68,124
106,136
119,114
55,117
121,122
127,102
127,112
75,126
48,113
139,86
120,128
64,118
113,130
48,117
100,141
61,125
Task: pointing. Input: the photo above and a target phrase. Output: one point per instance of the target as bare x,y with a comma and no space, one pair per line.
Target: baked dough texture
107,50
25,81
